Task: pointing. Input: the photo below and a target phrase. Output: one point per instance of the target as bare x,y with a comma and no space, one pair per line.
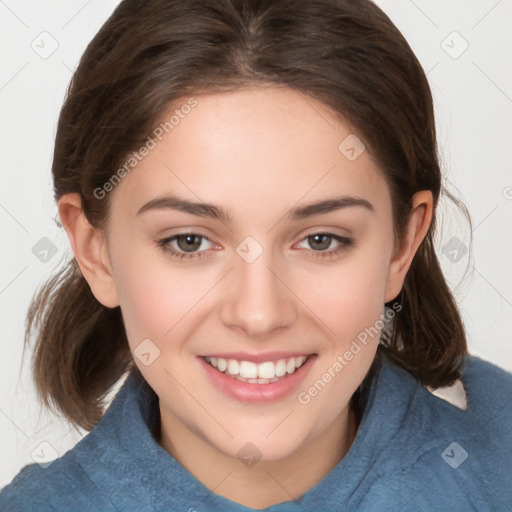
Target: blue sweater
413,452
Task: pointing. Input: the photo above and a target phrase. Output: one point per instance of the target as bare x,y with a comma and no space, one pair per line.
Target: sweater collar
134,415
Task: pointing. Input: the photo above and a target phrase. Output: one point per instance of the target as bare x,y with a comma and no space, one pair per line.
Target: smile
267,378
253,373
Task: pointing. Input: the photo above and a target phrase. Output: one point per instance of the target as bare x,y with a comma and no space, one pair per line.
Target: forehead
274,145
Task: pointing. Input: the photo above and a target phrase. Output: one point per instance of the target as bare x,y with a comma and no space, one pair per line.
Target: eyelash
164,244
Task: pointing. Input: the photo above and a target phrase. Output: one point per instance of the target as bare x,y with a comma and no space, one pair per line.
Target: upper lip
258,358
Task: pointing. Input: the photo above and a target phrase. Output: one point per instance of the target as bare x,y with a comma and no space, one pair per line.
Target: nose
258,300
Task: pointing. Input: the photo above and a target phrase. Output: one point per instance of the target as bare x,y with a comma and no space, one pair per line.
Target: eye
322,244
185,245
194,245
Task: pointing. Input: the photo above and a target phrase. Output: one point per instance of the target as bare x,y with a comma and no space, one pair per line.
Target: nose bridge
257,301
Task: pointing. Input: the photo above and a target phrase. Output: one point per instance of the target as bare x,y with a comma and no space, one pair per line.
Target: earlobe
90,250
419,223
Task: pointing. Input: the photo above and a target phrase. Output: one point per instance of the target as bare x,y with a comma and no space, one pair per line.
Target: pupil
317,239
188,243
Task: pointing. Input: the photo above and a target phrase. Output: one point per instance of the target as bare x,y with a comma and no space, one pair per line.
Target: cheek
152,296
159,299
347,297
350,301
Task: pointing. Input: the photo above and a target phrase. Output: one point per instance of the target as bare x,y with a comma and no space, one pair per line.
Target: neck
277,480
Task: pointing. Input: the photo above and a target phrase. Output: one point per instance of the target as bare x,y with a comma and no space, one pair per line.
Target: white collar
454,394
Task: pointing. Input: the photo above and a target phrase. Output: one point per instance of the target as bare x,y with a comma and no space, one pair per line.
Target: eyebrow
216,212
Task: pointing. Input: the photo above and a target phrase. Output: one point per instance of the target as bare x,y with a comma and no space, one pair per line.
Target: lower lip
257,393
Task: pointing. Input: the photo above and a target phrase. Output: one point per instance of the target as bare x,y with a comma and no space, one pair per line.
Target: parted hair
149,55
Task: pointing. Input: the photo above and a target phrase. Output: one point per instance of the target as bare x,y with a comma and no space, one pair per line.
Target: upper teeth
250,370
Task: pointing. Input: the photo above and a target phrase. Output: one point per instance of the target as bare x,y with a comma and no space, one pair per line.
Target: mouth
256,382
265,372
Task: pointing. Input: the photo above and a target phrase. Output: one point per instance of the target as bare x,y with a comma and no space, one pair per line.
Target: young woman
250,190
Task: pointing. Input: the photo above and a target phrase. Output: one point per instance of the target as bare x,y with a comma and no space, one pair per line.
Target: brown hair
151,53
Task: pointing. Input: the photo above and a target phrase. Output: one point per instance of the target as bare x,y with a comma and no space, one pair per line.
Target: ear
90,249
419,222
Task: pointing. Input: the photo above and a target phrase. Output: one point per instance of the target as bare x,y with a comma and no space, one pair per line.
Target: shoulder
463,453
24,492
76,480
488,387
61,486
480,399
481,408
479,402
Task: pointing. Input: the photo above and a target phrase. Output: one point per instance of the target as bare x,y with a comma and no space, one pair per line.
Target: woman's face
290,258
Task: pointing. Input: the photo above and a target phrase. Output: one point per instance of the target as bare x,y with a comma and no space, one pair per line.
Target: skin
257,153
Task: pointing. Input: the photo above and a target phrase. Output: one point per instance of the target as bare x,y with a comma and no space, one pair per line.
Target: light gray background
473,100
